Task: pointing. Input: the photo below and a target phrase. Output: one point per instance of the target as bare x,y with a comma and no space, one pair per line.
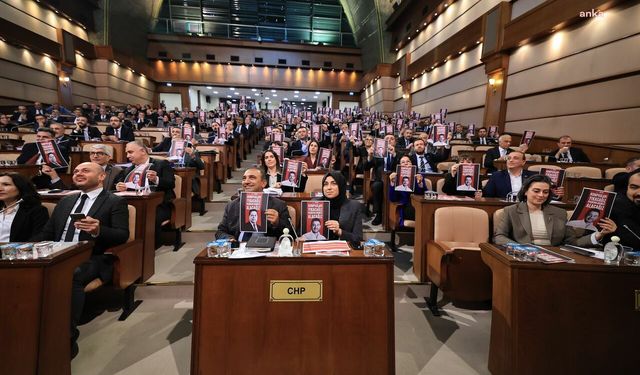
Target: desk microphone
293,227
632,232
17,203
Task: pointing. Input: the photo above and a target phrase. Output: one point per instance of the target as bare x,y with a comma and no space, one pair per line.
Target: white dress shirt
6,221
516,182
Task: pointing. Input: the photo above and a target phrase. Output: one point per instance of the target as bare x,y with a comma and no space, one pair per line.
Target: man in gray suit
99,154
254,180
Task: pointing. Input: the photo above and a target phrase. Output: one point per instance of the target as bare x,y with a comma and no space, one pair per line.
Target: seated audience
106,224
566,153
482,138
160,176
427,162
6,125
99,154
30,155
271,168
83,131
164,146
509,180
312,158
300,147
407,212
450,186
115,132
534,220
621,179
626,212
380,165
254,180
20,220
499,152
346,215
62,139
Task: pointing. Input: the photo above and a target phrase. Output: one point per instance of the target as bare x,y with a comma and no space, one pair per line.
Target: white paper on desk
325,246
596,254
64,192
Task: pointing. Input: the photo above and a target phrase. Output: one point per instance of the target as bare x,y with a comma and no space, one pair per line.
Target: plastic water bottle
612,250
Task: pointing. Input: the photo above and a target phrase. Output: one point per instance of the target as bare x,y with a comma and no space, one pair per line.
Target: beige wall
583,82
118,85
26,76
521,7
32,16
380,96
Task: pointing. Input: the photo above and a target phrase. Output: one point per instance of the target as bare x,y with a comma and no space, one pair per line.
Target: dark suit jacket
79,134
499,184
515,226
626,213
28,221
296,148
577,155
110,209
66,141
230,224
490,156
126,133
378,165
350,219
98,118
163,146
433,159
166,178
489,141
403,142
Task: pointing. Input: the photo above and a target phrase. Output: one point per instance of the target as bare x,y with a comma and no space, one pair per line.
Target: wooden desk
119,154
425,211
145,228
28,171
562,318
35,311
187,175
238,330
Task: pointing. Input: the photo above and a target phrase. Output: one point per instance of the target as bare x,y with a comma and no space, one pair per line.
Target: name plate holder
295,291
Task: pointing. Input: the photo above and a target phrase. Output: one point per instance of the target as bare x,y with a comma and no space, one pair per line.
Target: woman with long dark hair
345,214
22,214
271,167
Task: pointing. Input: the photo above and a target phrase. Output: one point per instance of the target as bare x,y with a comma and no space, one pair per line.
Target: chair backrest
461,224
589,172
497,216
455,149
87,147
445,166
439,185
178,187
536,168
132,223
610,187
429,184
609,173
9,155
314,182
484,183
292,215
49,206
29,137
533,157
483,148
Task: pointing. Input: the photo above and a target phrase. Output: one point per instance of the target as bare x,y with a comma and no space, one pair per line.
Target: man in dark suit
30,155
253,180
503,182
99,154
141,120
102,115
22,116
381,165
106,223
160,176
566,153
37,110
84,132
165,145
62,139
299,147
499,152
406,141
116,132
482,139
428,162
626,211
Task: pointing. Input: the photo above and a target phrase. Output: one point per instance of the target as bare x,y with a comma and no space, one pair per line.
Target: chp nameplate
295,291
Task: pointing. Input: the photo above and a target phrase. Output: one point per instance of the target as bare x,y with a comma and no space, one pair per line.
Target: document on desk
596,254
325,247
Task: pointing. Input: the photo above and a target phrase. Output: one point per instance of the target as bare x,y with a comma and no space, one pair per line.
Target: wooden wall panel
459,83
459,64
31,16
620,93
588,66
617,126
472,98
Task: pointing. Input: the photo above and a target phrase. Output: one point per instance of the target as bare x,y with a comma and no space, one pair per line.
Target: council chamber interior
319,186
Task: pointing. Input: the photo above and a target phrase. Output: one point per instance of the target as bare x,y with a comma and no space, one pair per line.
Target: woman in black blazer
345,214
25,219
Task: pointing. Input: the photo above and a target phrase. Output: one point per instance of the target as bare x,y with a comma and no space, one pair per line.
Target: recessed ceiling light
297,92
235,93
304,100
254,90
315,97
295,96
209,87
317,92
215,92
267,98
285,98
228,96
232,89
169,84
275,94
273,90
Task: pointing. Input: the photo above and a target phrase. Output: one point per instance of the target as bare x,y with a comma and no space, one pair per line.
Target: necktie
483,141
118,133
86,134
71,230
255,228
422,164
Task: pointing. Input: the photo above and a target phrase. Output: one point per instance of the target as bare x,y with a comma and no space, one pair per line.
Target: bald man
105,222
